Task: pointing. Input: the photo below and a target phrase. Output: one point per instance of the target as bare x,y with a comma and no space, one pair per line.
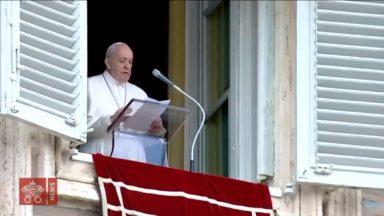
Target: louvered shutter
49,89
341,89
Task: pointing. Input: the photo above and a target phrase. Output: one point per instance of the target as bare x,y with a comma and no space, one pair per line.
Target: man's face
119,64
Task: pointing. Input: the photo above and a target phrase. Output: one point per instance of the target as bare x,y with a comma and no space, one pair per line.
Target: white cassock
105,96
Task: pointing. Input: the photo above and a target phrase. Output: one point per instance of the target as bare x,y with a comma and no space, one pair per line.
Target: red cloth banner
134,188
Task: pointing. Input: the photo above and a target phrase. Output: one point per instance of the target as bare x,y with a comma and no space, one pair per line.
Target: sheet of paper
143,114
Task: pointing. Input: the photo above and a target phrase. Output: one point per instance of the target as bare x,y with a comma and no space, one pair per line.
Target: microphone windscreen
156,73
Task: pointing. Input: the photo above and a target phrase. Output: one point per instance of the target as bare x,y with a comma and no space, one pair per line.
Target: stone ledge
78,196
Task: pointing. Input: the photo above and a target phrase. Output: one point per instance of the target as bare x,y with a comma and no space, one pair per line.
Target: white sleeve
96,120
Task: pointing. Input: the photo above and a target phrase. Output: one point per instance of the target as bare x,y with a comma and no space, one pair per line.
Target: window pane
216,133
218,54
216,129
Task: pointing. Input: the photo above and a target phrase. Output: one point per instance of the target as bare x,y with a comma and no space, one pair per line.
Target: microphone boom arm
160,76
191,164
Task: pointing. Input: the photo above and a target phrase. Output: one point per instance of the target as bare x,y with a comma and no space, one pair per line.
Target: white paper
143,114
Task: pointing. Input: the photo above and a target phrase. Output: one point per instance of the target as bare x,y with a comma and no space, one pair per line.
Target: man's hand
157,128
123,117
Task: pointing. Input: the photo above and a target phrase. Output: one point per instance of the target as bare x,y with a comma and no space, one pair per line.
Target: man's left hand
157,128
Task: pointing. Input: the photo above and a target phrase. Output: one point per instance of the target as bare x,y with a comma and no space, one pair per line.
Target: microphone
160,76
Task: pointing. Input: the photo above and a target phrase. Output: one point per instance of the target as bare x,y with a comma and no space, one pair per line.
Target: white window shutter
340,94
49,86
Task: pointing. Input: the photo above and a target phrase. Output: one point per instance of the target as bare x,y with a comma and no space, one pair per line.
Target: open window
230,55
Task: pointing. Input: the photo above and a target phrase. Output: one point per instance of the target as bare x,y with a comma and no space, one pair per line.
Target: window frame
251,73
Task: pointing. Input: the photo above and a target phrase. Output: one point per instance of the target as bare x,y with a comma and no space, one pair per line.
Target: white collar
112,80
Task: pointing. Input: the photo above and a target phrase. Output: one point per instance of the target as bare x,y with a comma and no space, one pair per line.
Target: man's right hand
123,117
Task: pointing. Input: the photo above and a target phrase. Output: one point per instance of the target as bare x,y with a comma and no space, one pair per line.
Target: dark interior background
143,25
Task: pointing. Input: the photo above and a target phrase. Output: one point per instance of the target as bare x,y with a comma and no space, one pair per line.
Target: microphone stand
160,76
192,162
